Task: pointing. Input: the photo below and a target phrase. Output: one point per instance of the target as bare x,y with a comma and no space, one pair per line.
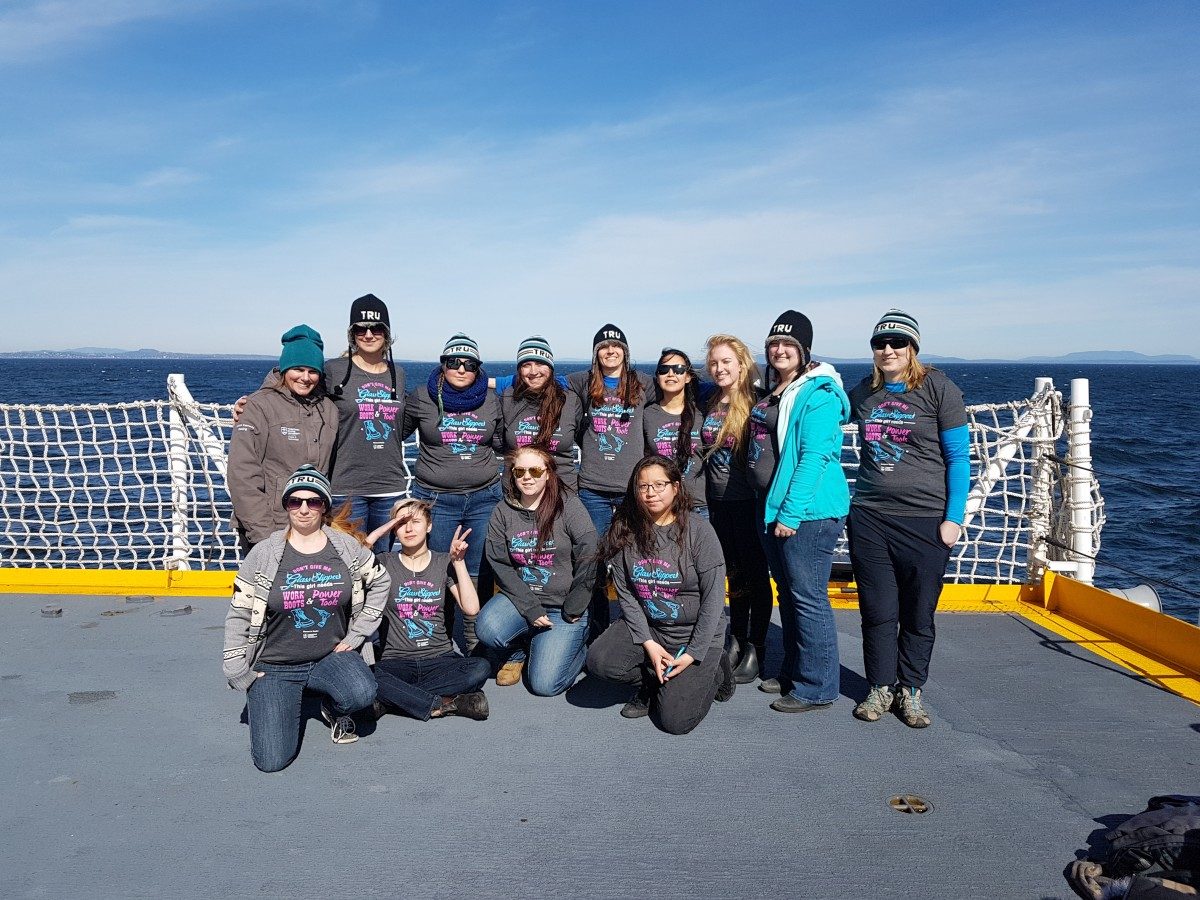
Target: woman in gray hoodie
541,544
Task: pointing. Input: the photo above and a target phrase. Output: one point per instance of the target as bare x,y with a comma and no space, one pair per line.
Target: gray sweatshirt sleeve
639,628
710,570
496,550
245,479
583,557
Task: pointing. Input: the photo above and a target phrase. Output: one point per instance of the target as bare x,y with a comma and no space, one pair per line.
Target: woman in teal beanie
283,426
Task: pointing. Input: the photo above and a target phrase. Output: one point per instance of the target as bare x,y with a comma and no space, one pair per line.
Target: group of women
684,491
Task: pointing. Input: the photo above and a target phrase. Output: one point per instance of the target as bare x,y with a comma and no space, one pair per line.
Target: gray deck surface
1035,745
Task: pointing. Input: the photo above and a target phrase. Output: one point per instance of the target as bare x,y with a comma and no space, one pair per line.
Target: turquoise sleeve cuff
956,450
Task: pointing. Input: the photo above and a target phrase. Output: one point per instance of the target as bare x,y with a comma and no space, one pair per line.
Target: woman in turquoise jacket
804,511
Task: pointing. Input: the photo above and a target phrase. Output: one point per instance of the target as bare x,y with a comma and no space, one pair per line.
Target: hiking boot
770,686
877,703
909,709
638,706
341,728
728,685
510,672
473,705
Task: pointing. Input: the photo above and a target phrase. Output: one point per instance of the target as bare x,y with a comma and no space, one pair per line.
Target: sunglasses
360,330
676,368
532,471
316,504
460,362
891,340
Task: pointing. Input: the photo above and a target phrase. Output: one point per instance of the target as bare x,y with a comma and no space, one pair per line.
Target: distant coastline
1088,357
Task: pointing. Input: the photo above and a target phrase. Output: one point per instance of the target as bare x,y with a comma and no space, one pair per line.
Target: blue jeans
600,506
416,686
801,565
556,654
369,513
273,702
470,510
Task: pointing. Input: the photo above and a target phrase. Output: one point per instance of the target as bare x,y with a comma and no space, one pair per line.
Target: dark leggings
898,563
677,706
736,523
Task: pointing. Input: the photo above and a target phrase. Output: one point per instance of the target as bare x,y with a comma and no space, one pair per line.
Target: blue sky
199,175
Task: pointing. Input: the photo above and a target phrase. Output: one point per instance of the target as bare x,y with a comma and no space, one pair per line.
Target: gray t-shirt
661,430
308,607
458,450
901,469
611,441
521,426
672,595
559,573
368,459
726,480
763,450
414,620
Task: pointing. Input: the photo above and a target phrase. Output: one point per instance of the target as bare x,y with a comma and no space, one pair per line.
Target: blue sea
1142,417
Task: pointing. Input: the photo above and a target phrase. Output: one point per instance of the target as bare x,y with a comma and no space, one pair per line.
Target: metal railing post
1042,488
1079,480
177,456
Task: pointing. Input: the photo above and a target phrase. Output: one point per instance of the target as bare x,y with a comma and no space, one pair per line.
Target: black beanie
369,310
793,326
607,333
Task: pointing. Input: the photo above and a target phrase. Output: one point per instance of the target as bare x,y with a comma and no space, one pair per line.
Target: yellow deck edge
1157,647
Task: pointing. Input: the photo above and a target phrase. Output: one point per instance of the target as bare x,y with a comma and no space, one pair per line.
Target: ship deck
1037,747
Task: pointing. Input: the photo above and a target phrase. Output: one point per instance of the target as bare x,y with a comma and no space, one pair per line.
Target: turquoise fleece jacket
809,484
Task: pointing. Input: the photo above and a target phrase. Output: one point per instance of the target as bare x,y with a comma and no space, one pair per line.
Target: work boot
747,667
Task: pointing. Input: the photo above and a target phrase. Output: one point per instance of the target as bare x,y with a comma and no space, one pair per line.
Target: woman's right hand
239,407
658,658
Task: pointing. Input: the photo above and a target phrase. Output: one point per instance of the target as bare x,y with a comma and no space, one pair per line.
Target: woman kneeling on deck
542,546
670,579
303,599
420,674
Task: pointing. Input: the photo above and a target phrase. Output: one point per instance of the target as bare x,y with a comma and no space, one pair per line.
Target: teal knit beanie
302,347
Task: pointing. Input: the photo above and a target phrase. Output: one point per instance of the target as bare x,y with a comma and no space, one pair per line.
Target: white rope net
142,485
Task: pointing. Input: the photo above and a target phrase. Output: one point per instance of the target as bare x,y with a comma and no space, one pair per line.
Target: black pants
737,524
677,706
898,563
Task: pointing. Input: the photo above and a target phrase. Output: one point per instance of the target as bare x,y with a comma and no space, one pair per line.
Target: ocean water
1141,439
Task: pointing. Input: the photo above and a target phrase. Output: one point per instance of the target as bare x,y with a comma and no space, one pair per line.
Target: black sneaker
470,706
636,708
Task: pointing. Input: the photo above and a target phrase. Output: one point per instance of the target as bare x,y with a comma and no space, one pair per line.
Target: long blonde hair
741,395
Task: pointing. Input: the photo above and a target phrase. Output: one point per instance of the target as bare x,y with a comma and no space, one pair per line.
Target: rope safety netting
142,485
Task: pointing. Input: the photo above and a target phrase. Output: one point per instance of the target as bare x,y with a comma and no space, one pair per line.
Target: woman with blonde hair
731,504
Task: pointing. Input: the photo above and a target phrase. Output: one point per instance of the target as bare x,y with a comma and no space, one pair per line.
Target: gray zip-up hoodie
275,435
246,621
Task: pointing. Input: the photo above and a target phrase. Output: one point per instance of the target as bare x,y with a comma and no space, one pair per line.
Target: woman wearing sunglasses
731,502
909,504
671,423
368,388
304,599
541,544
796,433
612,396
670,578
287,422
458,418
419,673
538,411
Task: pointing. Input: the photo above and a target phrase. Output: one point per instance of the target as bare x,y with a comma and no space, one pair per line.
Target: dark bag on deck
1159,845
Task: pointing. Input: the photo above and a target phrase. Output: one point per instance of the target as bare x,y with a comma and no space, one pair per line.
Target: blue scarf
450,399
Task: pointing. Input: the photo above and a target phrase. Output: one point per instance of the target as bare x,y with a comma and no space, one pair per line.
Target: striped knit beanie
462,346
308,478
535,349
897,321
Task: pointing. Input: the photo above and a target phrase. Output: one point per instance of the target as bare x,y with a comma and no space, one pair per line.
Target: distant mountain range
1105,357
